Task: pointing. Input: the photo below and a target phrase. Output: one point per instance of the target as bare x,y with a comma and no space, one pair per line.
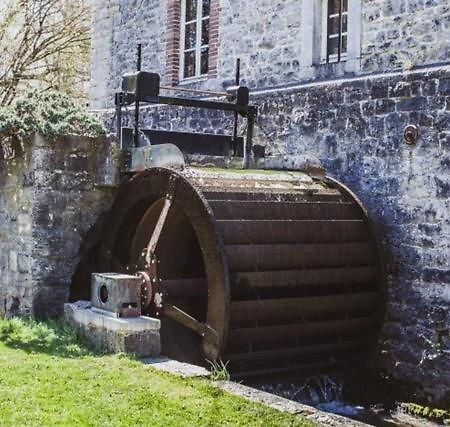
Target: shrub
51,114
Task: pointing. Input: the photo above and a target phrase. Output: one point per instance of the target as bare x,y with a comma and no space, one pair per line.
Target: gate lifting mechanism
275,272
145,87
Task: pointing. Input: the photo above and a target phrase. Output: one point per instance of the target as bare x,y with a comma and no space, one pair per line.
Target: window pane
344,23
333,25
205,32
345,6
204,61
189,64
333,6
344,44
190,36
206,7
191,10
333,46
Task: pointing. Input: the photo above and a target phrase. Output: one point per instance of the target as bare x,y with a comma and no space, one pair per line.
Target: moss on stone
434,414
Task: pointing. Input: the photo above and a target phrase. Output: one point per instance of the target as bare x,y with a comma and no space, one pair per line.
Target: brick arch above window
175,34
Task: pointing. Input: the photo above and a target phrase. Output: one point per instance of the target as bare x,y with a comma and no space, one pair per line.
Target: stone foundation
135,335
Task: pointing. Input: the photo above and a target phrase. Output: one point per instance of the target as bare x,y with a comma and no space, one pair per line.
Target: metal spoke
175,313
151,247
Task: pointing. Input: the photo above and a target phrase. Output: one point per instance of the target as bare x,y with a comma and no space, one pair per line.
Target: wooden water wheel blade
291,370
292,231
293,352
231,209
294,308
337,277
298,256
277,195
297,330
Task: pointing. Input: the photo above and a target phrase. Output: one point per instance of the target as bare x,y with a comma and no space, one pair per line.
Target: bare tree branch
44,44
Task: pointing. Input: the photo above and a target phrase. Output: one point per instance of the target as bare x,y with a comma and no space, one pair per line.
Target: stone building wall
271,38
15,235
51,195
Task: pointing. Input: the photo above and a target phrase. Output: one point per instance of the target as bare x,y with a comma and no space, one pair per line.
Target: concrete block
136,335
115,292
162,155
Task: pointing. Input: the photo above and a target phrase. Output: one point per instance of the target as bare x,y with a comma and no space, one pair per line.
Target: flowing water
331,395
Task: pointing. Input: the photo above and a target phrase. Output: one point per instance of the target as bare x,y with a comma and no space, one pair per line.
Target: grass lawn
47,377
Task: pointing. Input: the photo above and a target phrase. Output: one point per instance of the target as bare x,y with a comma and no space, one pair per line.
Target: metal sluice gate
274,272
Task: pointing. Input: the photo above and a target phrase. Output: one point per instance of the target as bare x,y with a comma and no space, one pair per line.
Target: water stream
331,394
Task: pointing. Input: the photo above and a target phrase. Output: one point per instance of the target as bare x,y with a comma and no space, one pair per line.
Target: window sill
190,80
333,69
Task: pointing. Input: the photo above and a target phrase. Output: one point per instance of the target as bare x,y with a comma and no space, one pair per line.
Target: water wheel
273,272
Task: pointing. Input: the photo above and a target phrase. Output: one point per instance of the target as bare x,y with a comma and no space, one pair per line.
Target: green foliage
438,415
50,114
219,370
53,336
41,386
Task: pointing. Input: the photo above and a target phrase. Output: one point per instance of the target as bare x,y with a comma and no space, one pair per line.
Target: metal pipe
340,31
199,91
118,102
236,115
136,104
248,139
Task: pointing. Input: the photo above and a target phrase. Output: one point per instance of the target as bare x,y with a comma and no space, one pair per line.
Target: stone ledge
286,405
183,369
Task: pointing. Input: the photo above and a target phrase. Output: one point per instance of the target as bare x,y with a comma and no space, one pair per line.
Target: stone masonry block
135,335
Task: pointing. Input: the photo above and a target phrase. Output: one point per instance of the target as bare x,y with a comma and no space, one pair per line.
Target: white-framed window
335,31
194,38
331,34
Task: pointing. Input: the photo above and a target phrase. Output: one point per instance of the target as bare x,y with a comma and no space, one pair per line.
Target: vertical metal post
340,30
236,115
118,102
136,104
248,140
328,30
